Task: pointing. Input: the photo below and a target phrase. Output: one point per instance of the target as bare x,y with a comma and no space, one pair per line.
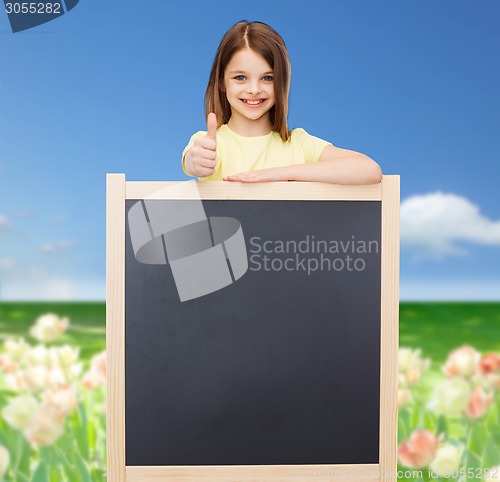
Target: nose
253,87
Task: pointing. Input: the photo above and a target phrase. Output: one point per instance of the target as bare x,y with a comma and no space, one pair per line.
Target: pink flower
419,450
478,404
494,380
98,364
91,380
489,368
489,363
7,365
462,362
46,425
96,376
63,398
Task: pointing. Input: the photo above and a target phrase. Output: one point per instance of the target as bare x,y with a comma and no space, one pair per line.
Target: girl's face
249,87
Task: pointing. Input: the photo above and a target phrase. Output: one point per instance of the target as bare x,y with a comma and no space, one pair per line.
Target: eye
240,77
267,78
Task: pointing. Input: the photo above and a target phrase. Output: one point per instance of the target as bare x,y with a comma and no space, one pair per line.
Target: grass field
87,323
438,328
435,328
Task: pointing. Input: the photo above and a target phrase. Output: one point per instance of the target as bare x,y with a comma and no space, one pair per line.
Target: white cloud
56,246
24,213
4,223
7,265
436,225
36,284
446,290
57,218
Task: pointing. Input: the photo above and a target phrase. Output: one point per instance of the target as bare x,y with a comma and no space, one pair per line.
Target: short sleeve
216,175
311,146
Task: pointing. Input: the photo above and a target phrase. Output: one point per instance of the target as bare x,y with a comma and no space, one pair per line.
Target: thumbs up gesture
200,159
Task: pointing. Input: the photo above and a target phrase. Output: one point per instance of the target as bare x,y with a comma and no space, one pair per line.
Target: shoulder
310,146
299,135
298,131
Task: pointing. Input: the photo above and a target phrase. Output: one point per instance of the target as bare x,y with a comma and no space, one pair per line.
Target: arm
335,165
200,159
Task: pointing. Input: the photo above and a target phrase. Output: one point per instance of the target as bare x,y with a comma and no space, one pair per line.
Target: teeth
252,102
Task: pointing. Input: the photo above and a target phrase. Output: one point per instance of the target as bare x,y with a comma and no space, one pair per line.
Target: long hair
265,41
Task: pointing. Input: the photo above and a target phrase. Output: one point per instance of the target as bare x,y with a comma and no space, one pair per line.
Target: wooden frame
118,190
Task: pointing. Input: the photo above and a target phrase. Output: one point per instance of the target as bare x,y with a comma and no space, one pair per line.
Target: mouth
253,102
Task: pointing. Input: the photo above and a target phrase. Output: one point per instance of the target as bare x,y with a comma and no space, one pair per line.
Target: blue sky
118,87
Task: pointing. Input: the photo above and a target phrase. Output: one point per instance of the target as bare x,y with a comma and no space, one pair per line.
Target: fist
200,159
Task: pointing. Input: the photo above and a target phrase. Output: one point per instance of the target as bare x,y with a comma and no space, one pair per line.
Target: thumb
211,126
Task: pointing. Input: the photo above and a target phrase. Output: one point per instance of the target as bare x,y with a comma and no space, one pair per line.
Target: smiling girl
247,137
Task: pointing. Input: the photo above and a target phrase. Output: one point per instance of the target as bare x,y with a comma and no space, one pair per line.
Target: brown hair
264,40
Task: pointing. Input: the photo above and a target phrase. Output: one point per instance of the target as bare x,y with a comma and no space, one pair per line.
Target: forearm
354,168
336,166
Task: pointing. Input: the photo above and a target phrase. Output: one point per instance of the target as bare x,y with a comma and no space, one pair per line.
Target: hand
200,159
260,175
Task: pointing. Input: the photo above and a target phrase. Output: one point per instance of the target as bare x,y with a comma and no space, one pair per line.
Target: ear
222,85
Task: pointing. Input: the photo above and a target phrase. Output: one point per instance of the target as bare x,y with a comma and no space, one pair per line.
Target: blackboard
281,367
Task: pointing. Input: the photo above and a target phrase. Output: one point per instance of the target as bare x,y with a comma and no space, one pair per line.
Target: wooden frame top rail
269,190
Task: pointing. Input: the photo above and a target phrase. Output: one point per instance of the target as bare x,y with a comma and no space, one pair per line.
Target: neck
250,128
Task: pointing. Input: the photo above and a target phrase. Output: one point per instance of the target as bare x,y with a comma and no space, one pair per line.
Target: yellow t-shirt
237,153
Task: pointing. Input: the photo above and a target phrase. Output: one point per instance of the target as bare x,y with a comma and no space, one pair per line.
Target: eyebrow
232,72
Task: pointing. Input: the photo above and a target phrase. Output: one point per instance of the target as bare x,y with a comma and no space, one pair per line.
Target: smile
253,103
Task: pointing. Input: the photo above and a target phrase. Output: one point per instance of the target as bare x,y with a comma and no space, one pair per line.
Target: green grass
87,323
437,328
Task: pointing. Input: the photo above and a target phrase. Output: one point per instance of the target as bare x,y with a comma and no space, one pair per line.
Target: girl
247,137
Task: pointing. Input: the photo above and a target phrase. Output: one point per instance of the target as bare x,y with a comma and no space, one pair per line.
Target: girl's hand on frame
200,159
271,174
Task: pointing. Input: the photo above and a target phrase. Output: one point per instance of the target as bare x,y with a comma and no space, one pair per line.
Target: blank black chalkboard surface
251,330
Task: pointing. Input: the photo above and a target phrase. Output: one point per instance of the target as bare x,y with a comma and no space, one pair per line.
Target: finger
211,126
208,154
206,143
207,163
201,153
